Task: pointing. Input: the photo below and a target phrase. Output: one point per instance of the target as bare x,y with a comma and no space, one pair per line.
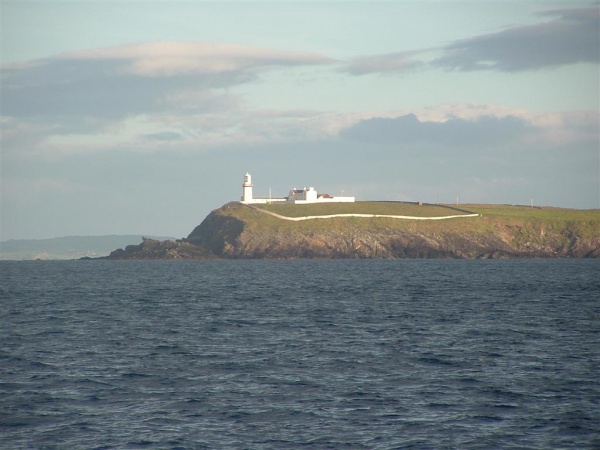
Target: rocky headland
367,230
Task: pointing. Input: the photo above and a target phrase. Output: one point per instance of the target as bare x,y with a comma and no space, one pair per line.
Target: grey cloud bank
135,79
571,38
408,129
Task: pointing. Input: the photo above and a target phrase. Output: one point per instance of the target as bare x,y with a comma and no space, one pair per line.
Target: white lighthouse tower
247,189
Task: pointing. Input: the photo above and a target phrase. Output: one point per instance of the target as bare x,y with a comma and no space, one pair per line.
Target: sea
315,354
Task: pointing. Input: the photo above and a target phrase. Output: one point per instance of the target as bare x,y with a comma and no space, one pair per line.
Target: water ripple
293,354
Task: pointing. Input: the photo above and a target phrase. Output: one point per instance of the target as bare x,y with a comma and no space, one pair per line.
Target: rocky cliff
238,231
155,249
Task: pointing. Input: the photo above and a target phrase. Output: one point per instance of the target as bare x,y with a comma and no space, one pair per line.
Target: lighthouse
247,189
297,196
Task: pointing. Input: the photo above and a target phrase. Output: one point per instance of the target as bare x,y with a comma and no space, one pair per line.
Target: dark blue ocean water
300,354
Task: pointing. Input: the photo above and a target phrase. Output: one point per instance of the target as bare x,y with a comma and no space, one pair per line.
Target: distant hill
70,247
381,230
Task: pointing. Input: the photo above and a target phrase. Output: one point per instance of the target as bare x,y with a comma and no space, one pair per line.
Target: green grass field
585,222
382,208
527,212
429,210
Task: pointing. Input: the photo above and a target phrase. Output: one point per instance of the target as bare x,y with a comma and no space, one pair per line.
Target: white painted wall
264,200
326,200
311,195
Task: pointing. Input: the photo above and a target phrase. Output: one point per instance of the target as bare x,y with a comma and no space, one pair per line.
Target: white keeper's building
296,196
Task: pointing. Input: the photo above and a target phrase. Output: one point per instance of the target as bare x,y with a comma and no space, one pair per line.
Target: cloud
447,126
116,82
408,129
571,38
164,136
391,62
166,58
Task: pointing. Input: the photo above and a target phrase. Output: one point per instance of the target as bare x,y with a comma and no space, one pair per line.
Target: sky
140,117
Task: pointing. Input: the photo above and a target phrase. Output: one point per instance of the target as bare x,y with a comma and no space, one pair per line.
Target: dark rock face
153,249
236,232
217,233
390,246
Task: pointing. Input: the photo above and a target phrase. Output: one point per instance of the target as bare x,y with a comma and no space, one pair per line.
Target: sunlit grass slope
379,208
529,220
527,212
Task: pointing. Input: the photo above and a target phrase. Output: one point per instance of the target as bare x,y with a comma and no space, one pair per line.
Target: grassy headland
498,231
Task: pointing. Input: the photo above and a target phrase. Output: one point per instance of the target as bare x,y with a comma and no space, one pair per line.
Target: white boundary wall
332,216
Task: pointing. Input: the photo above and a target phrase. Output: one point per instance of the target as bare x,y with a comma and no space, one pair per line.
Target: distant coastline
66,247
